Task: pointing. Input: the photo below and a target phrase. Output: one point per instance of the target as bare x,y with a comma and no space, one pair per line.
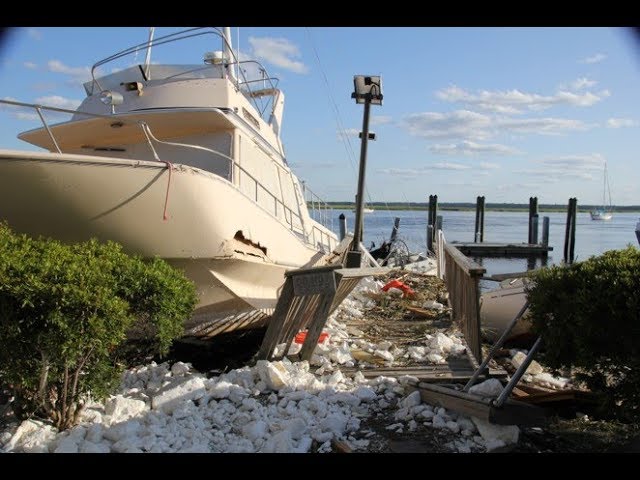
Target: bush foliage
589,316
65,309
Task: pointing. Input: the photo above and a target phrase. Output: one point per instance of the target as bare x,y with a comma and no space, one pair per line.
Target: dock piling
343,226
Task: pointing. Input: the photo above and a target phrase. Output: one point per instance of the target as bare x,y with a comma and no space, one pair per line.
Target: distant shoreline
493,207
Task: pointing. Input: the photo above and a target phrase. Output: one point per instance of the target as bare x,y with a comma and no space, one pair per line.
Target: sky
508,112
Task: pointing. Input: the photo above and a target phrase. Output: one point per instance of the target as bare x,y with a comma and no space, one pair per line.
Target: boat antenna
238,53
147,58
228,49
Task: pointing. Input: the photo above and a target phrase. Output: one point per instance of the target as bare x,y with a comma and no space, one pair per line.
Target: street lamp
368,91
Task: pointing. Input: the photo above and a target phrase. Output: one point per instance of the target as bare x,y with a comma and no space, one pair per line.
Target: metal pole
354,257
496,346
53,139
498,402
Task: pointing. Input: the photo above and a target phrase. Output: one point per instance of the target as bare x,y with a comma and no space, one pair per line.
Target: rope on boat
149,135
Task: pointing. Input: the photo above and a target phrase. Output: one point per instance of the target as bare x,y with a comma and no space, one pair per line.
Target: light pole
368,91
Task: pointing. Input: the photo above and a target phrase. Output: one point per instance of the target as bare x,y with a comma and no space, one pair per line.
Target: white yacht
184,162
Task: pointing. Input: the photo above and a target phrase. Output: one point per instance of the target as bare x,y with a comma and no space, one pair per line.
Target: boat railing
274,205
319,210
240,80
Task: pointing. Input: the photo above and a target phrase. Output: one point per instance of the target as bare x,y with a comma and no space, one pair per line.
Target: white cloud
489,166
465,124
26,113
580,167
58,101
593,161
621,122
583,82
597,58
449,166
403,172
349,132
77,74
380,119
472,148
30,65
514,101
456,124
279,52
34,33
541,126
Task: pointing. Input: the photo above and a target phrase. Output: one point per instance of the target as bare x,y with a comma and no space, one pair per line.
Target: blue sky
502,112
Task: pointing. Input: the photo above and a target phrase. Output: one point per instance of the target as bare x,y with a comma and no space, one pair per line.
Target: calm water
592,237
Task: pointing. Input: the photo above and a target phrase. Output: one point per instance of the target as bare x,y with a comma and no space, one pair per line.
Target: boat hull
601,216
499,307
235,252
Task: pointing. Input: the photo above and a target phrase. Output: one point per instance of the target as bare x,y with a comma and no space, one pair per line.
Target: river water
592,237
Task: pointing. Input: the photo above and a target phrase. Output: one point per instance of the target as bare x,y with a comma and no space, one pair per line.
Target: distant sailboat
604,213
365,210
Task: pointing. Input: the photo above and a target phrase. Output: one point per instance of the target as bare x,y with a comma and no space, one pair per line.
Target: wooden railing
462,277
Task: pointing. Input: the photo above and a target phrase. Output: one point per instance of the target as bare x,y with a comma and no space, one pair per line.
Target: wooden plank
502,249
499,277
362,272
311,283
303,271
279,316
315,327
511,413
466,264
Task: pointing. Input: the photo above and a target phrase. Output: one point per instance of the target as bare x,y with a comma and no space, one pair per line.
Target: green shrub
589,316
64,310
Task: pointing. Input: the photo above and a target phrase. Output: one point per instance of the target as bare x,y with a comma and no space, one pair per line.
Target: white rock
433,305
533,369
273,374
453,426
255,430
120,408
219,389
179,369
496,436
411,400
123,430
67,445
436,358
439,422
90,447
31,436
441,343
281,442
546,379
180,390
384,354
365,394
335,422
489,388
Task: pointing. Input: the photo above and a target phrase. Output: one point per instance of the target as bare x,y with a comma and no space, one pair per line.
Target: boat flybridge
184,162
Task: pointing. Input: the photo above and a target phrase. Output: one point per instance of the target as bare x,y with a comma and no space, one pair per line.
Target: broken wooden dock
486,249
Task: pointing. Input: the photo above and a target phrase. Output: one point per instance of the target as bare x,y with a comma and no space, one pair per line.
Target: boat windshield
156,72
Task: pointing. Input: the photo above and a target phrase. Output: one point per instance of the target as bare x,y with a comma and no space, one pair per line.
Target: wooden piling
482,219
343,226
545,231
570,231
533,210
431,221
572,243
394,232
